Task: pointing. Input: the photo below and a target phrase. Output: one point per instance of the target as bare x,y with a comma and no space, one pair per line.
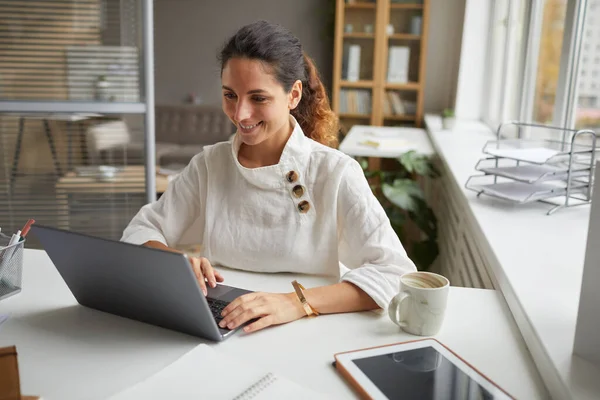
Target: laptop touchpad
218,292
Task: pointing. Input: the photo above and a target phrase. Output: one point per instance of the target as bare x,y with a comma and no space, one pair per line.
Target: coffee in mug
420,305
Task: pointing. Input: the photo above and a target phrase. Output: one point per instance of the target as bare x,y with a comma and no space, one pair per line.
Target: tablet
421,369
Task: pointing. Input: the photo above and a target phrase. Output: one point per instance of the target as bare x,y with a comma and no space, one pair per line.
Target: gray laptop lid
149,285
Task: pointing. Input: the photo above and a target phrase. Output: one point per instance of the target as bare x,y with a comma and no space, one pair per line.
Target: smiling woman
278,197
285,80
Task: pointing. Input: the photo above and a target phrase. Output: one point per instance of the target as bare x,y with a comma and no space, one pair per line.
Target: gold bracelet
298,288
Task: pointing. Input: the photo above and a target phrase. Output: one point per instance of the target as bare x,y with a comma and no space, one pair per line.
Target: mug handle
394,308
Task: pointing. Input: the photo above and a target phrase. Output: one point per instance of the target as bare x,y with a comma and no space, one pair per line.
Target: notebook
205,373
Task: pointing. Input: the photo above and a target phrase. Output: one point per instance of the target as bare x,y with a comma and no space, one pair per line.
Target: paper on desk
204,373
534,154
385,143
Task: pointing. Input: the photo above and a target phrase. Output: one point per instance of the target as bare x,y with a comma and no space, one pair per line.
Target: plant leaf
402,193
425,219
396,215
364,163
418,164
424,253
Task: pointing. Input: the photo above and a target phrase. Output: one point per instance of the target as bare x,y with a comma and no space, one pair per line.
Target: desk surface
392,141
70,352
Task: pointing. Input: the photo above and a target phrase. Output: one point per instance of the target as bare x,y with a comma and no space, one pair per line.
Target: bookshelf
370,37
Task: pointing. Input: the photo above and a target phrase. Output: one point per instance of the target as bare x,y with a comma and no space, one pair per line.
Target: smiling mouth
249,127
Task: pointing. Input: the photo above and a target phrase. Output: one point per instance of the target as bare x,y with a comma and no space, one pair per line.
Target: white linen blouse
253,219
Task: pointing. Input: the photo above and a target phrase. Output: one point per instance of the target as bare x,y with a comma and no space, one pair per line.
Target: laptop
141,283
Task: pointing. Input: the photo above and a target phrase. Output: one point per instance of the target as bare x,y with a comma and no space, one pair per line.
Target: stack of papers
533,173
522,192
538,155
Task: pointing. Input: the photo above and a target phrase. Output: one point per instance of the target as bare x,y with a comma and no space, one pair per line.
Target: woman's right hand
205,272
200,265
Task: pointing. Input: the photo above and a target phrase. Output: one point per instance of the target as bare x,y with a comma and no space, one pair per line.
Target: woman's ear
295,95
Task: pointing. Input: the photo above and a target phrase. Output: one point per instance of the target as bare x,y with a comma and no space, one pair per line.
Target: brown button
303,206
298,191
291,176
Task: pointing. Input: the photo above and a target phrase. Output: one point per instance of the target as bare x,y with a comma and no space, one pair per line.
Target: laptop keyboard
216,306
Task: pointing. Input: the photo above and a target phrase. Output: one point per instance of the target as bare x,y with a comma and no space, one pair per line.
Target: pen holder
11,266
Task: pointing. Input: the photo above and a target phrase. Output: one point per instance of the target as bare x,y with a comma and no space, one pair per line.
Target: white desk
393,141
69,352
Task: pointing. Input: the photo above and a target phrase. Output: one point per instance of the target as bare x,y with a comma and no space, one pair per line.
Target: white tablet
421,369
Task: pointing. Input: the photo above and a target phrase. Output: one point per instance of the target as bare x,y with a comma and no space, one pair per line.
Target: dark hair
277,46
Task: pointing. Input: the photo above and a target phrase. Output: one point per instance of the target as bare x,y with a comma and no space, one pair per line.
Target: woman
277,198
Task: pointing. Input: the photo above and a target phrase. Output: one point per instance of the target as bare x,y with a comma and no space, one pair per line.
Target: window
496,60
551,39
587,108
505,61
72,75
544,60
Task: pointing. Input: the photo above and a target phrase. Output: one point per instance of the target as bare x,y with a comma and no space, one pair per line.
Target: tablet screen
422,374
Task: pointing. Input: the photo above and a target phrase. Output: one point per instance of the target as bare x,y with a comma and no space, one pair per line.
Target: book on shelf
355,101
353,73
345,55
398,64
394,104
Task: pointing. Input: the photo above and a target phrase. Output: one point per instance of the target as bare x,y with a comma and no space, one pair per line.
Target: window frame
565,104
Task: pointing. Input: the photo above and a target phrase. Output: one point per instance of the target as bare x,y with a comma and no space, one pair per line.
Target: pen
26,228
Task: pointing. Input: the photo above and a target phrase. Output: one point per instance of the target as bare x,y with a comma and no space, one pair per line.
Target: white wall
189,34
443,53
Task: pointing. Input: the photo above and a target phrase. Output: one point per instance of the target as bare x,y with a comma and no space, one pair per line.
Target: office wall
189,33
443,53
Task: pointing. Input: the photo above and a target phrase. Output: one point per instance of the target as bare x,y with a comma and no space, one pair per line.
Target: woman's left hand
268,308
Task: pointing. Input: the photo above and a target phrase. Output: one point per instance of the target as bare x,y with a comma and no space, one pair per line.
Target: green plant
448,113
403,200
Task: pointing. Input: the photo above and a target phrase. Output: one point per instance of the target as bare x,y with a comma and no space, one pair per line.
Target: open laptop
141,283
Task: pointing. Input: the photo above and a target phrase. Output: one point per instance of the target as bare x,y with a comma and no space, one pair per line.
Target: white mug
420,306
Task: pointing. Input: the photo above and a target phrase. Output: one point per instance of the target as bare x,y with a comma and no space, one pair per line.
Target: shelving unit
557,170
365,24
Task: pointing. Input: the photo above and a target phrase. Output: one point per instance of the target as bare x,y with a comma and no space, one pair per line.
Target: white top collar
293,158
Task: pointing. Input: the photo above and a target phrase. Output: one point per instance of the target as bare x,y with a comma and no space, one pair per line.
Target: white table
393,141
70,352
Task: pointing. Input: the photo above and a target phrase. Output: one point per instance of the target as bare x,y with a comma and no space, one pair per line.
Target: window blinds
83,172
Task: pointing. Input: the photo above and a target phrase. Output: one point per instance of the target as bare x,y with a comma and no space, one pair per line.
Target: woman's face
255,101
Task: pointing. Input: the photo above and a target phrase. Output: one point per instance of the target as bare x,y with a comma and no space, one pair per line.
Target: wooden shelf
406,6
400,117
404,36
361,5
375,58
359,35
356,84
354,115
403,86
